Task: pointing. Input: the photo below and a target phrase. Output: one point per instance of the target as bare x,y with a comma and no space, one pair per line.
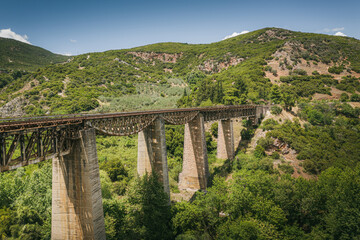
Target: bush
336,69
276,110
286,168
315,73
269,124
275,155
265,142
355,97
299,71
259,152
344,97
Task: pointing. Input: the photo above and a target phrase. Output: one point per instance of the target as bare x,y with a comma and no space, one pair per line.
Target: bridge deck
28,123
29,140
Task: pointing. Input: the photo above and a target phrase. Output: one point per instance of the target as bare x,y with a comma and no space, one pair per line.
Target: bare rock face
213,66
164,57
14,108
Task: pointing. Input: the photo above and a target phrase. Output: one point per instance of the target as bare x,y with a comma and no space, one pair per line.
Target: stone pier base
77,211
225,144
152,152
195,170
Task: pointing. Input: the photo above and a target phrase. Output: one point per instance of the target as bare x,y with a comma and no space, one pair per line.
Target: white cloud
235,34
73,40
340,34
7,33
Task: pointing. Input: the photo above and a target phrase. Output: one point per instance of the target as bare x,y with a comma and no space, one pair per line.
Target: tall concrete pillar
77,210
225,141
152,152
195,171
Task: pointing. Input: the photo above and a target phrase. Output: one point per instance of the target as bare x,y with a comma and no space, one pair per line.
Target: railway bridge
70,141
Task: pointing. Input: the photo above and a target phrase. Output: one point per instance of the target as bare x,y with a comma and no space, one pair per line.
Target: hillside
15,55
245,69
295,176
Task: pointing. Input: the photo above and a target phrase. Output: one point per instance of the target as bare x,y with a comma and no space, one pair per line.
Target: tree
147,210
275,94
288,100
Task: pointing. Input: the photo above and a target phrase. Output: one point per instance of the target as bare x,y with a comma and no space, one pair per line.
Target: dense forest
296,175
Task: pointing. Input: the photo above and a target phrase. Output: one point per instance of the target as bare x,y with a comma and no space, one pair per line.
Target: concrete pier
225,141
195,170
152,152
77,211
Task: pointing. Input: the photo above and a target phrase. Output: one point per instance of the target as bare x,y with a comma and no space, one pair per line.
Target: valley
294,176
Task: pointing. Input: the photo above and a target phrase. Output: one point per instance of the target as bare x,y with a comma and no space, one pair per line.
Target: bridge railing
29,140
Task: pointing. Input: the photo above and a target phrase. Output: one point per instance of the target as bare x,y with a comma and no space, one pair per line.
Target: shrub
275,155
355,97
344,97
299,71
315,73
269,124
259,152
265,142
286,168
276,110
336,69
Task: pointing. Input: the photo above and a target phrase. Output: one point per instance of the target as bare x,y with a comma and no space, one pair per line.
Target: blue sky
75,27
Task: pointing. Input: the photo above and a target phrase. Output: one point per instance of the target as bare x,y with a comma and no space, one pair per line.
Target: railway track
30,123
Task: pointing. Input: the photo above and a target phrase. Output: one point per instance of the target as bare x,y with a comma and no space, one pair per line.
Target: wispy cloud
340,34
73,40
7,33
235,34
335,31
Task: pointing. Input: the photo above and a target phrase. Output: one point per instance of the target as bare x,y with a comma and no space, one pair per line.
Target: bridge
70,141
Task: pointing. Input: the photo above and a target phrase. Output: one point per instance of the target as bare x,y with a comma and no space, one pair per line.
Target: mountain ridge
247,67
16,55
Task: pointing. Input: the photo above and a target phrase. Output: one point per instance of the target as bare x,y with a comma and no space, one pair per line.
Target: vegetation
226,72
257,195
15,55
332,139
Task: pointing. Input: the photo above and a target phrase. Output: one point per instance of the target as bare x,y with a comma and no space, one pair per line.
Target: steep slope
270,64
15,55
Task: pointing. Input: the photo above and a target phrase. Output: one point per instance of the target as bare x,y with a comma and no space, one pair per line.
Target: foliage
259,151
269,124
276,110
147,210
336,69
15,55
335,144
214,129
255,201
286,168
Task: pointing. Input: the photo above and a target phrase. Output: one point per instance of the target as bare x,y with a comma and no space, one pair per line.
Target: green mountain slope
266,65
15,55
295,176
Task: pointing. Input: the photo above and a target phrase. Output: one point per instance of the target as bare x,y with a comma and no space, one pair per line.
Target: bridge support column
77,211
225,141
195,170
152,152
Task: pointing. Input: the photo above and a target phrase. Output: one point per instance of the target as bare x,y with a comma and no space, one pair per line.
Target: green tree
147,210
275,94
